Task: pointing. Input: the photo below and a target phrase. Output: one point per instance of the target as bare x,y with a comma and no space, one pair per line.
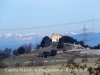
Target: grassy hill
50,62
25,59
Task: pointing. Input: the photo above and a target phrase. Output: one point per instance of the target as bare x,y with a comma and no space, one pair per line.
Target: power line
61,32
53,25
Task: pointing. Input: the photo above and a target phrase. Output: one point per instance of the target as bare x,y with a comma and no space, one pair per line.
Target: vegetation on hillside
45,41
47,53
9,52
21,50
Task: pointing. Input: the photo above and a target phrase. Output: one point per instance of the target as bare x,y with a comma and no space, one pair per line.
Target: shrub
60,45
21,50
38,47
15,52
2,56
54,44
45,54
53,52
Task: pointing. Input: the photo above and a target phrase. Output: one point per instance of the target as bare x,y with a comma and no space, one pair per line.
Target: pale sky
37,13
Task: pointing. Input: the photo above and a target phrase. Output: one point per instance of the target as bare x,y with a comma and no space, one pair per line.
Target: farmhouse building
55,37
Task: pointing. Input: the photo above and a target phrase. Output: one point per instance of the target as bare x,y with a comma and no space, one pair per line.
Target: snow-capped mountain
27,36
15,40
30,36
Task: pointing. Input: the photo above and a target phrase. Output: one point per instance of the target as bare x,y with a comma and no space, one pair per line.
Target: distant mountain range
92,39
16,40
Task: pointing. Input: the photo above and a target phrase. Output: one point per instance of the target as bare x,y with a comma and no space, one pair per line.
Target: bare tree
15,52
8,52
38,47
25,47
28,47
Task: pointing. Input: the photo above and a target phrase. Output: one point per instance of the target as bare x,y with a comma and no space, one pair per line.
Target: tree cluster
23,49
64,39
27,47
6,53
96,47
20,50
68,39
46,53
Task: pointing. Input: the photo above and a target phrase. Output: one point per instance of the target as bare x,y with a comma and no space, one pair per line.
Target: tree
86,46
25,47
21,50
15,52
28,47
38,47
45,54
81,43
2,56
98,46
45,41
53,52
67,39
60,45
8,52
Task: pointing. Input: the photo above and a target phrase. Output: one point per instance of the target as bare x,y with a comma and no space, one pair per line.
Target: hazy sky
35,13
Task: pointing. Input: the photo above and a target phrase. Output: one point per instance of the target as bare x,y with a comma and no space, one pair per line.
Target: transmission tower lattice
84,35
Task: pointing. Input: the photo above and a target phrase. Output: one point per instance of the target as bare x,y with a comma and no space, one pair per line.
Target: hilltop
28,59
